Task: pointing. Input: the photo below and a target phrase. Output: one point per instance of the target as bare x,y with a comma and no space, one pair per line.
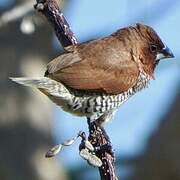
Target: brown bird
94,78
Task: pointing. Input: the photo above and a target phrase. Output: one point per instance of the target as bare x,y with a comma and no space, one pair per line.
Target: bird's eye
153,48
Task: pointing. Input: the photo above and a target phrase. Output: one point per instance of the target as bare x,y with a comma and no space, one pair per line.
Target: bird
94,78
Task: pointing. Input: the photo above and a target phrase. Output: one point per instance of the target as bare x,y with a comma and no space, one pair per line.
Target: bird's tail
45,85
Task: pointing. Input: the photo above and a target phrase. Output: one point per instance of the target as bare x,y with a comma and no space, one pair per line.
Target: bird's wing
100,65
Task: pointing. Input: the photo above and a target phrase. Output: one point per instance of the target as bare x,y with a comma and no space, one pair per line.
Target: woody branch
97,134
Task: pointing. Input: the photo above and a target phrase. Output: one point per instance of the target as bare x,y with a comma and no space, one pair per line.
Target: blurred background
145,131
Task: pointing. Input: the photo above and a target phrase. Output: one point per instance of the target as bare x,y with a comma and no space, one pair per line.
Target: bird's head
145,45
151,48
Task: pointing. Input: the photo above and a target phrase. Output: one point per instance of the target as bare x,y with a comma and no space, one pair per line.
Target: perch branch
51,10
97,134
103,148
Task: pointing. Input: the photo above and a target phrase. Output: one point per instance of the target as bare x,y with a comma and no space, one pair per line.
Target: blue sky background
5,3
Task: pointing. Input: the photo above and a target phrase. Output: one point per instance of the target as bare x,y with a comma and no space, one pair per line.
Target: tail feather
45,84
37,82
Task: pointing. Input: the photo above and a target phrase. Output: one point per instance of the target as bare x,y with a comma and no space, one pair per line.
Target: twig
97,135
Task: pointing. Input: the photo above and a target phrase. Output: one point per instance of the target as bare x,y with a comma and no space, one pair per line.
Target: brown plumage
94,78
111,64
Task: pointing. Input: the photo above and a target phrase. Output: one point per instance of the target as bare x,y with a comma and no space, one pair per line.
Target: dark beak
164,53
167,52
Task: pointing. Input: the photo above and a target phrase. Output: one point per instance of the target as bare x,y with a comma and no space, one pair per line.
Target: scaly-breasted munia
94,78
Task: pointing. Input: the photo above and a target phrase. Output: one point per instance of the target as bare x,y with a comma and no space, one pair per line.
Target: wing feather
100,65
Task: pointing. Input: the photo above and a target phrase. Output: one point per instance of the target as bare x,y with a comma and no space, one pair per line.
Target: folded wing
101,65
